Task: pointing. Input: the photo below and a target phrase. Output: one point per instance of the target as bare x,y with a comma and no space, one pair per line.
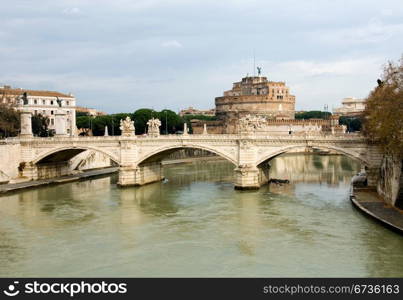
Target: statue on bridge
154,127
250,124
127,127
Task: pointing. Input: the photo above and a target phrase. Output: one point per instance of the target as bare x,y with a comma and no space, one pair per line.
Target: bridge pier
249,177
140,175
30,171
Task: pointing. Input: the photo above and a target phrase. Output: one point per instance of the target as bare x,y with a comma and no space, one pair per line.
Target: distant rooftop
18,91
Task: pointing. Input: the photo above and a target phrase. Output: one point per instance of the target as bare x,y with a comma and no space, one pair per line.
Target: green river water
196,224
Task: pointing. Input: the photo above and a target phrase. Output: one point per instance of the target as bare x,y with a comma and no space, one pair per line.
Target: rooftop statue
127,127
59,102
154,126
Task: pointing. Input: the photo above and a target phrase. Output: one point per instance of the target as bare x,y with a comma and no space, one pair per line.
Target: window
67,102
51,112
35,101
36,112
51,102
279,97
52,121
43,102
68,112
44,112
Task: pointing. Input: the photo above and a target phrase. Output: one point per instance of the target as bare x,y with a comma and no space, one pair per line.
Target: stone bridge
139,157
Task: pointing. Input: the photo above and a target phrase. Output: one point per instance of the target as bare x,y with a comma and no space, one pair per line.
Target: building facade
270,102
193,111
253,95
46,103
350,107
90,111
256,96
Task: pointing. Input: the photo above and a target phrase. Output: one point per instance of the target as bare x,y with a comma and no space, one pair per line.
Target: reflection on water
196,224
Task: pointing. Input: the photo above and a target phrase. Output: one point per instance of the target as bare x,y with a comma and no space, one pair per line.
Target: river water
196,224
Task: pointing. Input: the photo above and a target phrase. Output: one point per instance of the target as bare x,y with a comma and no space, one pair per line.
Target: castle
256,96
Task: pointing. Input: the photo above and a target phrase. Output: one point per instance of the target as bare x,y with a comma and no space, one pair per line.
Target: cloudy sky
122,55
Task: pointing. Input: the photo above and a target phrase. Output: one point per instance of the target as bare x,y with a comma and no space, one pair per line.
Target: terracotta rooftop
13,91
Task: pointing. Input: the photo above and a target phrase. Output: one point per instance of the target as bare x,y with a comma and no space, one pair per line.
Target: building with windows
253,95
194,111
258,97
351,107
46,103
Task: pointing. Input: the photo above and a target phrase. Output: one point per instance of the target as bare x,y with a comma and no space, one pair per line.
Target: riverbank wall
390,183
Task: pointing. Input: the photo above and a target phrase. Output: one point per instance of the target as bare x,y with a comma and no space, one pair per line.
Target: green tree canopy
313,114
174,121
141,117
9,121
40,125
352,123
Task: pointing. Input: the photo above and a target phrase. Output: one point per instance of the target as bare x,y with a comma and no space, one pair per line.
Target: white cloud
375,31
73,11
172,44
340,67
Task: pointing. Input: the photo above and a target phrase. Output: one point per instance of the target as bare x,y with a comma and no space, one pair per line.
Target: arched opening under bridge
69,160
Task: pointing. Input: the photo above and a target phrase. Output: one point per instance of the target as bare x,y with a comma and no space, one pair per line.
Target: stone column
26,123
185,129
73,127
205,128
60,123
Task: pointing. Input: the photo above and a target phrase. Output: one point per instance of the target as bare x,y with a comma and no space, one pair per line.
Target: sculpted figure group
251,123
128,129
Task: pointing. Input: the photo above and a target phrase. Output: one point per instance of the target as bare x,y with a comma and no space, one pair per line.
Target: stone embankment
372,204
385,202
14,187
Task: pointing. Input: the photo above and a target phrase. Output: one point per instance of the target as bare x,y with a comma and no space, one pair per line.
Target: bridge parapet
138,156
341,137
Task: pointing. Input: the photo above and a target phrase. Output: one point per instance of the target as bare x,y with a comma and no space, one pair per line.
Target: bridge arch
159,153
349,153
68,152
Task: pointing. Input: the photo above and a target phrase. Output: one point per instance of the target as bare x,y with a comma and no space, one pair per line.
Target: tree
9,121
174,121
40,126
313,114
83,122
81,114
141,117
352,123
383,115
